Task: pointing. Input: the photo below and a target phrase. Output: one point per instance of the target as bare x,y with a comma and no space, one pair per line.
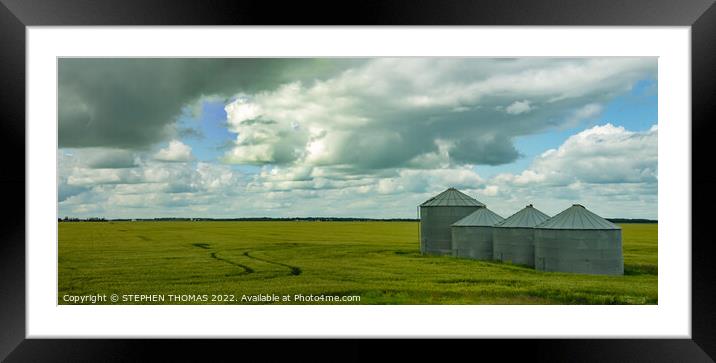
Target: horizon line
101,219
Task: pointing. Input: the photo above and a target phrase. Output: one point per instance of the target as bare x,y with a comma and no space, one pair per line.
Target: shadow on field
640,269
294,270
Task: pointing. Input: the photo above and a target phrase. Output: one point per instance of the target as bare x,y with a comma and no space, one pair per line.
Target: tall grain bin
513,238
437,214
577,240
472,235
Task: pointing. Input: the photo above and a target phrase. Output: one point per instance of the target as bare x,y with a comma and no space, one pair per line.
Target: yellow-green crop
378,261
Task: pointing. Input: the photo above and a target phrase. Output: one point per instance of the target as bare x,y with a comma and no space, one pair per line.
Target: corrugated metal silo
437,214
472,235
577,240
513,238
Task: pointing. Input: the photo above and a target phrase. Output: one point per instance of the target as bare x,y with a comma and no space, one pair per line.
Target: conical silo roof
452,198
577,217
528,217
480,217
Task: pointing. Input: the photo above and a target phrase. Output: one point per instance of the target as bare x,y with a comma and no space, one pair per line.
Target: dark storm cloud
486,151
133,103
96,158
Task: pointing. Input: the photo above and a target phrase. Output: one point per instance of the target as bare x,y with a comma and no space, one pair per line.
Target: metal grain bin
513,238
577,240
472,235
437,214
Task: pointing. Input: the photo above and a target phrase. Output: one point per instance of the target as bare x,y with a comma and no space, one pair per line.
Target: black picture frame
16,15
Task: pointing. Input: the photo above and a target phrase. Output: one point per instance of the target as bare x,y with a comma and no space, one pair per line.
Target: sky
354,137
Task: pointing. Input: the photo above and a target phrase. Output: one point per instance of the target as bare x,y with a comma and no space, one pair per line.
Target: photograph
434,180
201,181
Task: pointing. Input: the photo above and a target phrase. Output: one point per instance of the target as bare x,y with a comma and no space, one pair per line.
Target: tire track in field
206,246
246,268
295,271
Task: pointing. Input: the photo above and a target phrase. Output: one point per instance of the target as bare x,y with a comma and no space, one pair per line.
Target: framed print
428,173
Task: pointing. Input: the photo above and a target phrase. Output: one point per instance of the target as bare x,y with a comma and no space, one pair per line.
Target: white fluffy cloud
148,188
609,168
176,151
601,154
393,113
588,111
518,107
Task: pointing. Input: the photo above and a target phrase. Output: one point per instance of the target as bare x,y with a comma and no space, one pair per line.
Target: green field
378,261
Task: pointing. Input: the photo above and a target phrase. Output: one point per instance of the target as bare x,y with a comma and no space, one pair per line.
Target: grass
378,261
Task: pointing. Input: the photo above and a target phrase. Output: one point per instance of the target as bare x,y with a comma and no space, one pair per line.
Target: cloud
364,137
91,177
606,167
490,190
150,187
133,103
414,112
176,151
601,154
583,113
101,158
625,185
518,107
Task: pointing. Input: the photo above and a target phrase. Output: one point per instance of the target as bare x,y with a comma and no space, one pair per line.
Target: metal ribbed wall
581,251
472,242
514,245
472,235
435,222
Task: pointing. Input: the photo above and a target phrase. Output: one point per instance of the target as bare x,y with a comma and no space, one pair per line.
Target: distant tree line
307,219
627,220
74,219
